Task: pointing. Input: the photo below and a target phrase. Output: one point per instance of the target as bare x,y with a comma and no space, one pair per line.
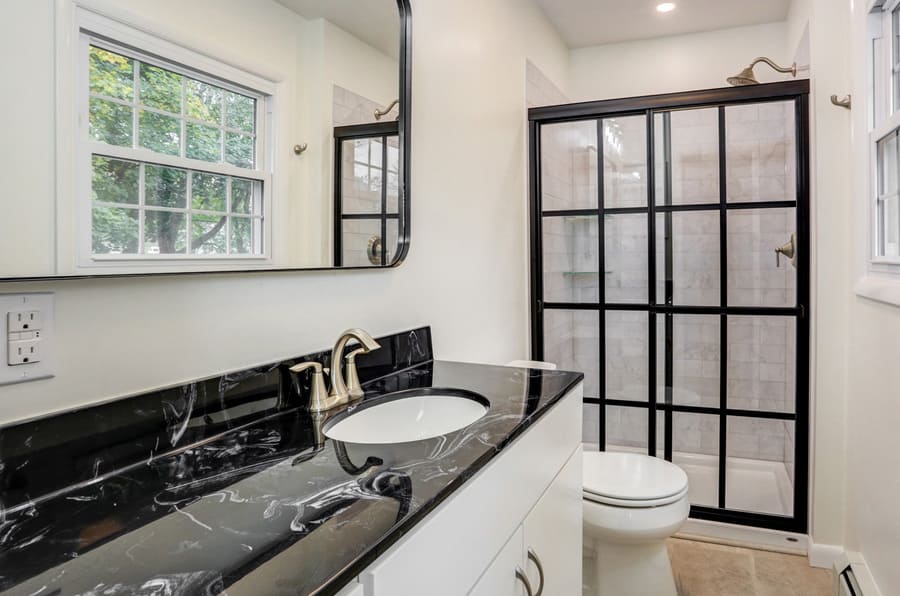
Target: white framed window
884,138
173,153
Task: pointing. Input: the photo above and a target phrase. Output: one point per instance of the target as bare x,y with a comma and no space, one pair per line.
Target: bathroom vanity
228,485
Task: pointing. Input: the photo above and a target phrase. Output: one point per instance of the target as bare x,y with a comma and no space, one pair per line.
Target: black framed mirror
167,138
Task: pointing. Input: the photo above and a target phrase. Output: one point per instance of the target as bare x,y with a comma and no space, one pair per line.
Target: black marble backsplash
42,456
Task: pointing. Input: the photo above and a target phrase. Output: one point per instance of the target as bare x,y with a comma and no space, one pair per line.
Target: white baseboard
824,556
860,570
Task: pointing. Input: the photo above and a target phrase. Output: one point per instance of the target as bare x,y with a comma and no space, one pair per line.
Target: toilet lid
632,477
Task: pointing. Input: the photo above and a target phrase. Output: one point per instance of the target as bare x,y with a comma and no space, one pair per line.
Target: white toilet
632,503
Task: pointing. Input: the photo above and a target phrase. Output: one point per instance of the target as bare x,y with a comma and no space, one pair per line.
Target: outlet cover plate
31,371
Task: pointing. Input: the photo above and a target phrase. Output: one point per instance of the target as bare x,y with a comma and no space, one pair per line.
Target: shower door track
648,106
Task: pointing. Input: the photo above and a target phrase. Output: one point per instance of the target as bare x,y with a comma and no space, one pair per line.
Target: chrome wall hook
298,149
846,102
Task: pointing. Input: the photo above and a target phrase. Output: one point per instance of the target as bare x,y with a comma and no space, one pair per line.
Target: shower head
746,76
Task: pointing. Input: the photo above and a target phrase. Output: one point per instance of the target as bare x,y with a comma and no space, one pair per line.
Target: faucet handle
354,388
318,395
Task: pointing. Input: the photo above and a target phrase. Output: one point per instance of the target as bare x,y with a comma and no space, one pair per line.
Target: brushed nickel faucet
338,383
343,389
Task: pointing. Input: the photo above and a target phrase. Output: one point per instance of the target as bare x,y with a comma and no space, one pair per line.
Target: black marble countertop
227,484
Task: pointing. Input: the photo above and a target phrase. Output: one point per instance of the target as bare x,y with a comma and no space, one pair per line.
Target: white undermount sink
407,416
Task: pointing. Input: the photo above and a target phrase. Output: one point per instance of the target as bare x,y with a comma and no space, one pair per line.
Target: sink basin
407,416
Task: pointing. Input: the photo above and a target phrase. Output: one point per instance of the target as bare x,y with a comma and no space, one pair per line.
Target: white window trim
77,21
879,277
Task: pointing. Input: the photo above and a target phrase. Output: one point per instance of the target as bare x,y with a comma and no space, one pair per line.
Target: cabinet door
499,579
553,533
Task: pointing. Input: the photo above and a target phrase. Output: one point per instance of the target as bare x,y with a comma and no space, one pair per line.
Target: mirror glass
160,136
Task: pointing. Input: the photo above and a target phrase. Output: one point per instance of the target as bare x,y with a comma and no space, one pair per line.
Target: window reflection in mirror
150,145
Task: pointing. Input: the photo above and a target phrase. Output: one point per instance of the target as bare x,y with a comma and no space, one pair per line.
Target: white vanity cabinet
528,497
546,548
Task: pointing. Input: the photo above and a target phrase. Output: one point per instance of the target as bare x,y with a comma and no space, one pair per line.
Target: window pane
572,342
571,259
240,111
241,235
760,152
165,187
627,429
208,234
626,267
203,142
114,230
241,196
160,89
111,122
755,276
695,341
569,165
627,355
239,150
759,468
690,173
375,153
762,359
695,443
887,153
895,57
625,161
203,102
164,232
114,180
159,133
208,192
889,216
687,258
112,75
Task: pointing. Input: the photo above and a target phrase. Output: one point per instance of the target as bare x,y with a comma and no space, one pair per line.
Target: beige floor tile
703,569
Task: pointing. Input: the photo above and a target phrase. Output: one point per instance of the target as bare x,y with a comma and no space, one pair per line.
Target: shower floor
753,485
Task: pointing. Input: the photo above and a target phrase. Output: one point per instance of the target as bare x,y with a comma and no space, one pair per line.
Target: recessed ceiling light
665,7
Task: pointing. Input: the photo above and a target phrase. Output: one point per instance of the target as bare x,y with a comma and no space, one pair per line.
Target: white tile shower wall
539,89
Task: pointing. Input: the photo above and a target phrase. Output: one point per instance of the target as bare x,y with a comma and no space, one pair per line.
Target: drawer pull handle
524,578
533,556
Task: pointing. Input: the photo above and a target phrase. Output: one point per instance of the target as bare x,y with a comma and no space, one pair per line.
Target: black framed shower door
654,223
366,165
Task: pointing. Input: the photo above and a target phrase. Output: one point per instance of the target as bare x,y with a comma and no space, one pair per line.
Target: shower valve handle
788,249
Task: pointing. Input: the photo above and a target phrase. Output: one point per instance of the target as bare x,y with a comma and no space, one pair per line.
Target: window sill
880,289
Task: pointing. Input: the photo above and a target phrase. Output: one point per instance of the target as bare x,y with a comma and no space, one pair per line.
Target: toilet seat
632,480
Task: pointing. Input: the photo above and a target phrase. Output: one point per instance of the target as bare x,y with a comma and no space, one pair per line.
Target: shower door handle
789,250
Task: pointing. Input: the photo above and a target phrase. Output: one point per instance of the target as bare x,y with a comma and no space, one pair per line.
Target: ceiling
584,23
376,22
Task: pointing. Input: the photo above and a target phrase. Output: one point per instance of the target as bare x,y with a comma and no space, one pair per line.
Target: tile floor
703,569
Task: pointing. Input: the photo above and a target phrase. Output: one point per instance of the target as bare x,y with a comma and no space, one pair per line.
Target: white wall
818,29
466,274
873,383
677,63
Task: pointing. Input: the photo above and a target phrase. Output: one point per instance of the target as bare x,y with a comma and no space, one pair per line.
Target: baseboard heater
847,584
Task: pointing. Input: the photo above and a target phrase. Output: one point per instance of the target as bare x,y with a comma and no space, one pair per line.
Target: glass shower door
681,289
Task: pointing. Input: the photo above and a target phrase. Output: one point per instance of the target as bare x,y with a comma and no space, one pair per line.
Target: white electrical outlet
26,334
24,351
23,320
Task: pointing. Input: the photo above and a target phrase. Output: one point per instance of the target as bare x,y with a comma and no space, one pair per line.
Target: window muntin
151,130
